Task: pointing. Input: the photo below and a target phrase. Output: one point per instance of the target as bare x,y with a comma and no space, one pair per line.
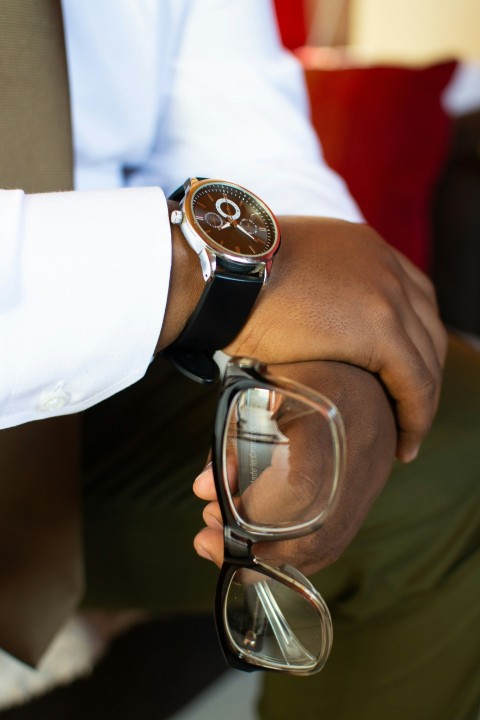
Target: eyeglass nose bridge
237,547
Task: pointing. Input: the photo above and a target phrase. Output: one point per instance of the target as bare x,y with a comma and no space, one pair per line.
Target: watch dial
232,218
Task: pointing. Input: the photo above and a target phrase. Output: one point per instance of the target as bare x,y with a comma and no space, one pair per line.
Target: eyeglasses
278,458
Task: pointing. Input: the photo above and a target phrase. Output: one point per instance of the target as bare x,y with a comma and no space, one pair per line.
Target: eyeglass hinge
237,547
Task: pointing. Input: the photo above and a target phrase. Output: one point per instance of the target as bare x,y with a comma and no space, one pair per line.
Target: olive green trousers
404,597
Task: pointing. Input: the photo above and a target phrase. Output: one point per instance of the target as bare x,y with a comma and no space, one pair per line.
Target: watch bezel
199,239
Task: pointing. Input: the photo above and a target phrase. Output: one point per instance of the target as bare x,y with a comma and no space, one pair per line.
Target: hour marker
237,249
252,249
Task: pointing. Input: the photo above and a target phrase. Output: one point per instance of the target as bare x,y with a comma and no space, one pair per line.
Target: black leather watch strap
219,316
179,193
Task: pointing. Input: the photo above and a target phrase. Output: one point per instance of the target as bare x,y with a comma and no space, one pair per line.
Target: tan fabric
40,549
35,136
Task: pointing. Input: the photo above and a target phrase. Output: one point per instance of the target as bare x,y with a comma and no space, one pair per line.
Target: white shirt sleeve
84,276
238,110
83,288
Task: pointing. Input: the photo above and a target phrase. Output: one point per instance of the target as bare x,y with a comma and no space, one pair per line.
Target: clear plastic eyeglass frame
278,460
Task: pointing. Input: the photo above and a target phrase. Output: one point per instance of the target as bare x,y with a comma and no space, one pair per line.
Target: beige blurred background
407,31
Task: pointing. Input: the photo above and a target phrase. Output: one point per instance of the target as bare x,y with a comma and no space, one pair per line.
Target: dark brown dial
234,219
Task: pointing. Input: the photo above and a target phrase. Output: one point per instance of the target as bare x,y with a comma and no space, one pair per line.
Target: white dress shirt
160,90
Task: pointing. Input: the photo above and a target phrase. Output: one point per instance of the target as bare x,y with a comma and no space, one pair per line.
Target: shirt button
54,400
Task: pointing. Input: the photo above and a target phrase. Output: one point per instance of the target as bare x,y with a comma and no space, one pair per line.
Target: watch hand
252,237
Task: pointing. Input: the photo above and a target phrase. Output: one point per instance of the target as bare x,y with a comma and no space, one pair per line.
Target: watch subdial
227,208
249,226
213,219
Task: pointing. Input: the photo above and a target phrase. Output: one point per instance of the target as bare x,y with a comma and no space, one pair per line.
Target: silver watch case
210,253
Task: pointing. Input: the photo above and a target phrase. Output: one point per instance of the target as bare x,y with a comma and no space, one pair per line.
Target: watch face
233,219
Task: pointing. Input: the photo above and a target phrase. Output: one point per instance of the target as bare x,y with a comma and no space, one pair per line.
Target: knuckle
429,387
430,290
387,316
426,396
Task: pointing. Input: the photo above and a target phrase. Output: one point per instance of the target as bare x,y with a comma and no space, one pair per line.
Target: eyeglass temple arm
290,647
261,424
257,431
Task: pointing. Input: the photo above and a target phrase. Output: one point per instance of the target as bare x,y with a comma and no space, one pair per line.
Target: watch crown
176,217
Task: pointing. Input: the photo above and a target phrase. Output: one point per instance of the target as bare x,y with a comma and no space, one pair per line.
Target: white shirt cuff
87,308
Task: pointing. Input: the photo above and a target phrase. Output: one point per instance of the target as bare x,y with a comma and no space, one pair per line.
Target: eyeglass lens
280,459
271,624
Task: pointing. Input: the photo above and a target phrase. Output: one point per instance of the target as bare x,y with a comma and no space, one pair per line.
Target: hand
338,292
371,436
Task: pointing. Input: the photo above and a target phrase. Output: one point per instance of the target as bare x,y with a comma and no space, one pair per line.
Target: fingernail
411,454
204,553
203,472
206,469
212,522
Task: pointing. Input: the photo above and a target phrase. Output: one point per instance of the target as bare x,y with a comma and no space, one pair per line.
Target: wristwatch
235,236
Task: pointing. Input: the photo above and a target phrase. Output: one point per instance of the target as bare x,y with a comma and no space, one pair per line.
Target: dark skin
337,291
347,315
371,440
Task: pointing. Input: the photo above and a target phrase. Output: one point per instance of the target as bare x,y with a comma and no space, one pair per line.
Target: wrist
234,236
185,287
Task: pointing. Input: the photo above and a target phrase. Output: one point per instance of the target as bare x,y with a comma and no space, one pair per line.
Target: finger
415,390
427,287
208,544
426,331
204,484
416,407
212,517
411,289
418,277
410,367
424,301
